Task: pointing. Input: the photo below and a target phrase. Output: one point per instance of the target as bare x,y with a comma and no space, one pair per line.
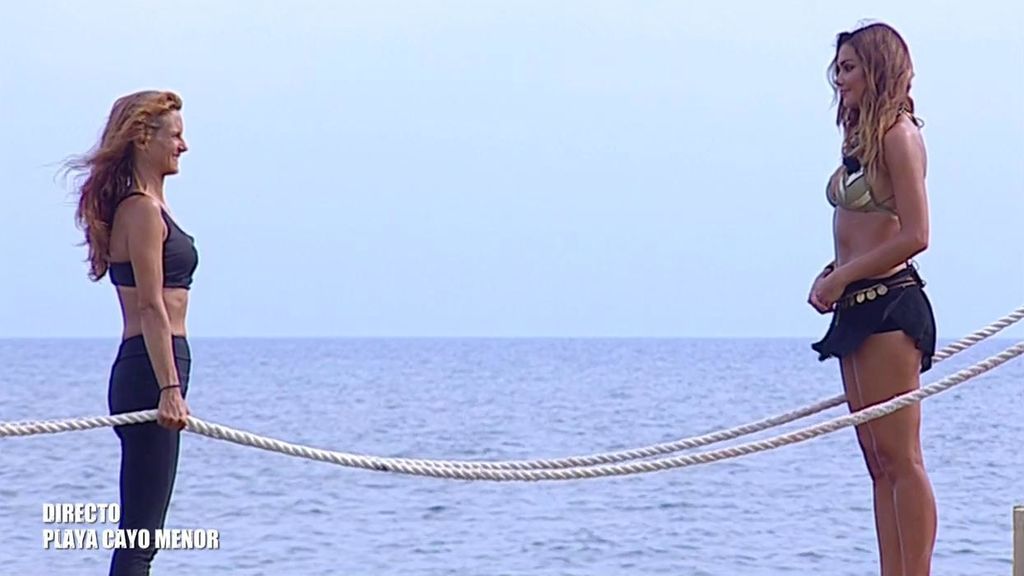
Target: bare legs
888,365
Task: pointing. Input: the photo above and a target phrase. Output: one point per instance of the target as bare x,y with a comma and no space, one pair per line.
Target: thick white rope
56,426
72,424
721,435
430,468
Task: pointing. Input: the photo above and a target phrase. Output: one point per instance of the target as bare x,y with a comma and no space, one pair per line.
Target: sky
503,169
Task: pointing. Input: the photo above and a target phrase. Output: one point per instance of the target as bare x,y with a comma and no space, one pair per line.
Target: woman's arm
146,230
905,158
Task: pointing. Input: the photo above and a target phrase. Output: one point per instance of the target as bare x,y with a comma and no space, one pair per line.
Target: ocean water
801,509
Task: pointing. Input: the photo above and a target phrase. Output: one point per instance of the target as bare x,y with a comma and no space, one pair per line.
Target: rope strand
433,469
491,470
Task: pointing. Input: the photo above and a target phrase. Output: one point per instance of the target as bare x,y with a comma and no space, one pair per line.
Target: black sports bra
180,258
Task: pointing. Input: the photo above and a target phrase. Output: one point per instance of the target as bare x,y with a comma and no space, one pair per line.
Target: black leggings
149,452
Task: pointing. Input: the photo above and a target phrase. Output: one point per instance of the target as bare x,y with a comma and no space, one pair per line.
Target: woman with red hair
150,260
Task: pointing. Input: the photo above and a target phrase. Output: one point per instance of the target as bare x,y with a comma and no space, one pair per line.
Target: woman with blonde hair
150,260
883,327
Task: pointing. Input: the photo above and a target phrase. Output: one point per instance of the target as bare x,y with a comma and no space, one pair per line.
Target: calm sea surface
802,509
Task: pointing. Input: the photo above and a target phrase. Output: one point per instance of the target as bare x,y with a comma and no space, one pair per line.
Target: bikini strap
127,196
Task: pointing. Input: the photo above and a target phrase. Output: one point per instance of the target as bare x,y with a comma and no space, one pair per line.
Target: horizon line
464,337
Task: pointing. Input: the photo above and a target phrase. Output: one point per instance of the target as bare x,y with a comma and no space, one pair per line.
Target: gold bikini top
849,189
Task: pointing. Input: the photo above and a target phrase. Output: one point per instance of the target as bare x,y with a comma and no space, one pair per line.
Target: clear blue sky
502,169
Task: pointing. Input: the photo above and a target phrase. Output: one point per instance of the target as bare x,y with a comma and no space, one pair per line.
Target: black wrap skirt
875,305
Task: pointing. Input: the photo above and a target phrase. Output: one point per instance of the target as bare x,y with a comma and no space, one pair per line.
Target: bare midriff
175,301
857,233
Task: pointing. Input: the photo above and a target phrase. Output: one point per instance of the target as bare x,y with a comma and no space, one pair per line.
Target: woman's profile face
166,145
849,77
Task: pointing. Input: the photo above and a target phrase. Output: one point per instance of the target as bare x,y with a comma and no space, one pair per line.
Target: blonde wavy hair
888,72
109,169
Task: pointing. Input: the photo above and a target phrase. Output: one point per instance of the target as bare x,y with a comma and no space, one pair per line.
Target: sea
805,508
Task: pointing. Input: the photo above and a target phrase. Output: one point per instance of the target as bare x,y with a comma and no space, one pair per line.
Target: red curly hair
110,168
